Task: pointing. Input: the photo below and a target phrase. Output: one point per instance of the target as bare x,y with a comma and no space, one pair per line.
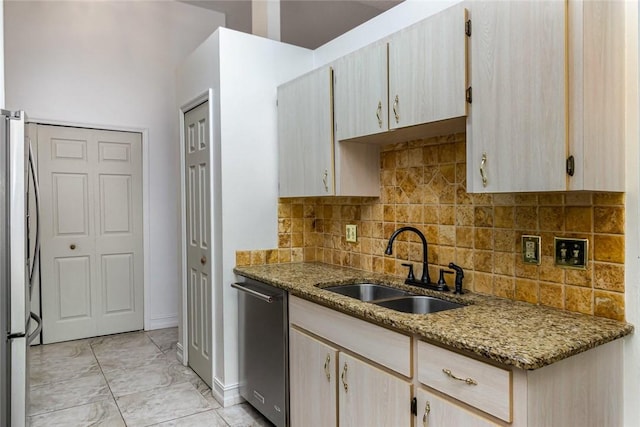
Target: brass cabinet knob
72,246
203,260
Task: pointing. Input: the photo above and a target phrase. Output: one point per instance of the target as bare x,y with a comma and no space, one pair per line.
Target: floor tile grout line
162,341
115,401
69,407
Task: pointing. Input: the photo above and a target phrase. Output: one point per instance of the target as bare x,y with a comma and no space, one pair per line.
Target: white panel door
92,282
118,219
198,213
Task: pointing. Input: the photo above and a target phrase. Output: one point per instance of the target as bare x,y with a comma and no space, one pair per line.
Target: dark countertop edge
486,353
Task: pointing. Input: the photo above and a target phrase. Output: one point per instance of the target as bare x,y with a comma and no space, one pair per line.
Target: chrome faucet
425,280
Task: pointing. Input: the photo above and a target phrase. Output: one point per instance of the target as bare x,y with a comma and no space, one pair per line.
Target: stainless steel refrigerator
18,263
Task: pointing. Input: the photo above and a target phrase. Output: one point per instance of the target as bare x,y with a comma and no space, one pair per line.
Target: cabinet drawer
388,348
491,392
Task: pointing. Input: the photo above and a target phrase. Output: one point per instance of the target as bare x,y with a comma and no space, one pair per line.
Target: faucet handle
410,276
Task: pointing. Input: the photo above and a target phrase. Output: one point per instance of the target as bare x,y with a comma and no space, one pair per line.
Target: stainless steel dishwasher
264,349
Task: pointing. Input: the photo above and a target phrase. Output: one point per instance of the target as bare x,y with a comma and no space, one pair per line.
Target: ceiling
306,23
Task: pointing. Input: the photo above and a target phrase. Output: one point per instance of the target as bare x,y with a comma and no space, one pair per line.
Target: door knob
203,260
72,246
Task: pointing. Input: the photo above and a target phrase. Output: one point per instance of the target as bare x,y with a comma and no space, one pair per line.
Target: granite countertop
512,333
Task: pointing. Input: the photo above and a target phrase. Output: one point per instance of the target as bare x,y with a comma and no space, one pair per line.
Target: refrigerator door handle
35,333
36,194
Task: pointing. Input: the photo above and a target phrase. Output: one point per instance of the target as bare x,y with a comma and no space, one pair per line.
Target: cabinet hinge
467,28
414,406
468,95
571,166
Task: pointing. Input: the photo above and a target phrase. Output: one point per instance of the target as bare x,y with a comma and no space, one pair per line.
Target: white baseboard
180,354
161,322
226,395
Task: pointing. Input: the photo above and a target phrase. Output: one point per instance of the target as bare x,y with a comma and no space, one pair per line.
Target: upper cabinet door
361,92
517,122
427,70
305,124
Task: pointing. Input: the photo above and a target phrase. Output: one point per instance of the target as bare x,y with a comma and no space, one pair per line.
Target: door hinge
414,406
468,95
571,166
467,28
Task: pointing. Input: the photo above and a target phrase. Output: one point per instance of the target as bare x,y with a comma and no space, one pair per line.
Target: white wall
398,17
632,214
1,53
243,72
112,64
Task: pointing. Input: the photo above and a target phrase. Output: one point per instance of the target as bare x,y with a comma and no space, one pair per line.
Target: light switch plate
531,249
571,253
352,233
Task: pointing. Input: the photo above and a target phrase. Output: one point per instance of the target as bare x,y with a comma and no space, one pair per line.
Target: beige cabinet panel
517,120
312,381
548,85
305,135
310,164
434,411
361,92
369,396
427,70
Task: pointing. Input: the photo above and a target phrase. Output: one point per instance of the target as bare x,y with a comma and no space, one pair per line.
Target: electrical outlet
531,249
352,233
571,253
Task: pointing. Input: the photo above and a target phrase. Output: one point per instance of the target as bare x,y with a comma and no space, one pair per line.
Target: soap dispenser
459,277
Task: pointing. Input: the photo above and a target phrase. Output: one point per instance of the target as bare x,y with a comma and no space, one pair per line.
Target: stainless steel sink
367,292
418,304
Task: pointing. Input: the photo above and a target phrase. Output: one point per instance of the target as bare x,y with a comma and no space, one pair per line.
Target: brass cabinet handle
468,381
327,372
425,417
395,109
324,180
344,377
203,260
483,174
72,246
379,114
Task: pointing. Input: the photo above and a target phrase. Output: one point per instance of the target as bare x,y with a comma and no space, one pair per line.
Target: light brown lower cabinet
435,411
369,396
345,371
329,388
312,381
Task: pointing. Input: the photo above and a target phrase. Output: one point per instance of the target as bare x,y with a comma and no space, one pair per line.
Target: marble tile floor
131,379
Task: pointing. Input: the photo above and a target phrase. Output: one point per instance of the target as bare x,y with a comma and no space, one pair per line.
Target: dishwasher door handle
263,297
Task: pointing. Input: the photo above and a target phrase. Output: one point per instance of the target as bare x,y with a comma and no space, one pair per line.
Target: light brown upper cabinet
547,111
416,76
427,70
310,164
361,92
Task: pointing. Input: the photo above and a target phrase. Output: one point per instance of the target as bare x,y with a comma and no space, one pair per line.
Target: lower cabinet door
434,411
369,396
312,381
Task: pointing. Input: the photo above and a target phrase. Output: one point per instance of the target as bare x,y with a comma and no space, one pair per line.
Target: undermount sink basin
367,292
418,304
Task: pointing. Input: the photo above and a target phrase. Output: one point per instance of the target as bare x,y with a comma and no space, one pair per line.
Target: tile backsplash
423,185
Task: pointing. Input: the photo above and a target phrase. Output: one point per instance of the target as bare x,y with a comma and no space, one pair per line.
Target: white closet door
198,212
118,237
91,210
